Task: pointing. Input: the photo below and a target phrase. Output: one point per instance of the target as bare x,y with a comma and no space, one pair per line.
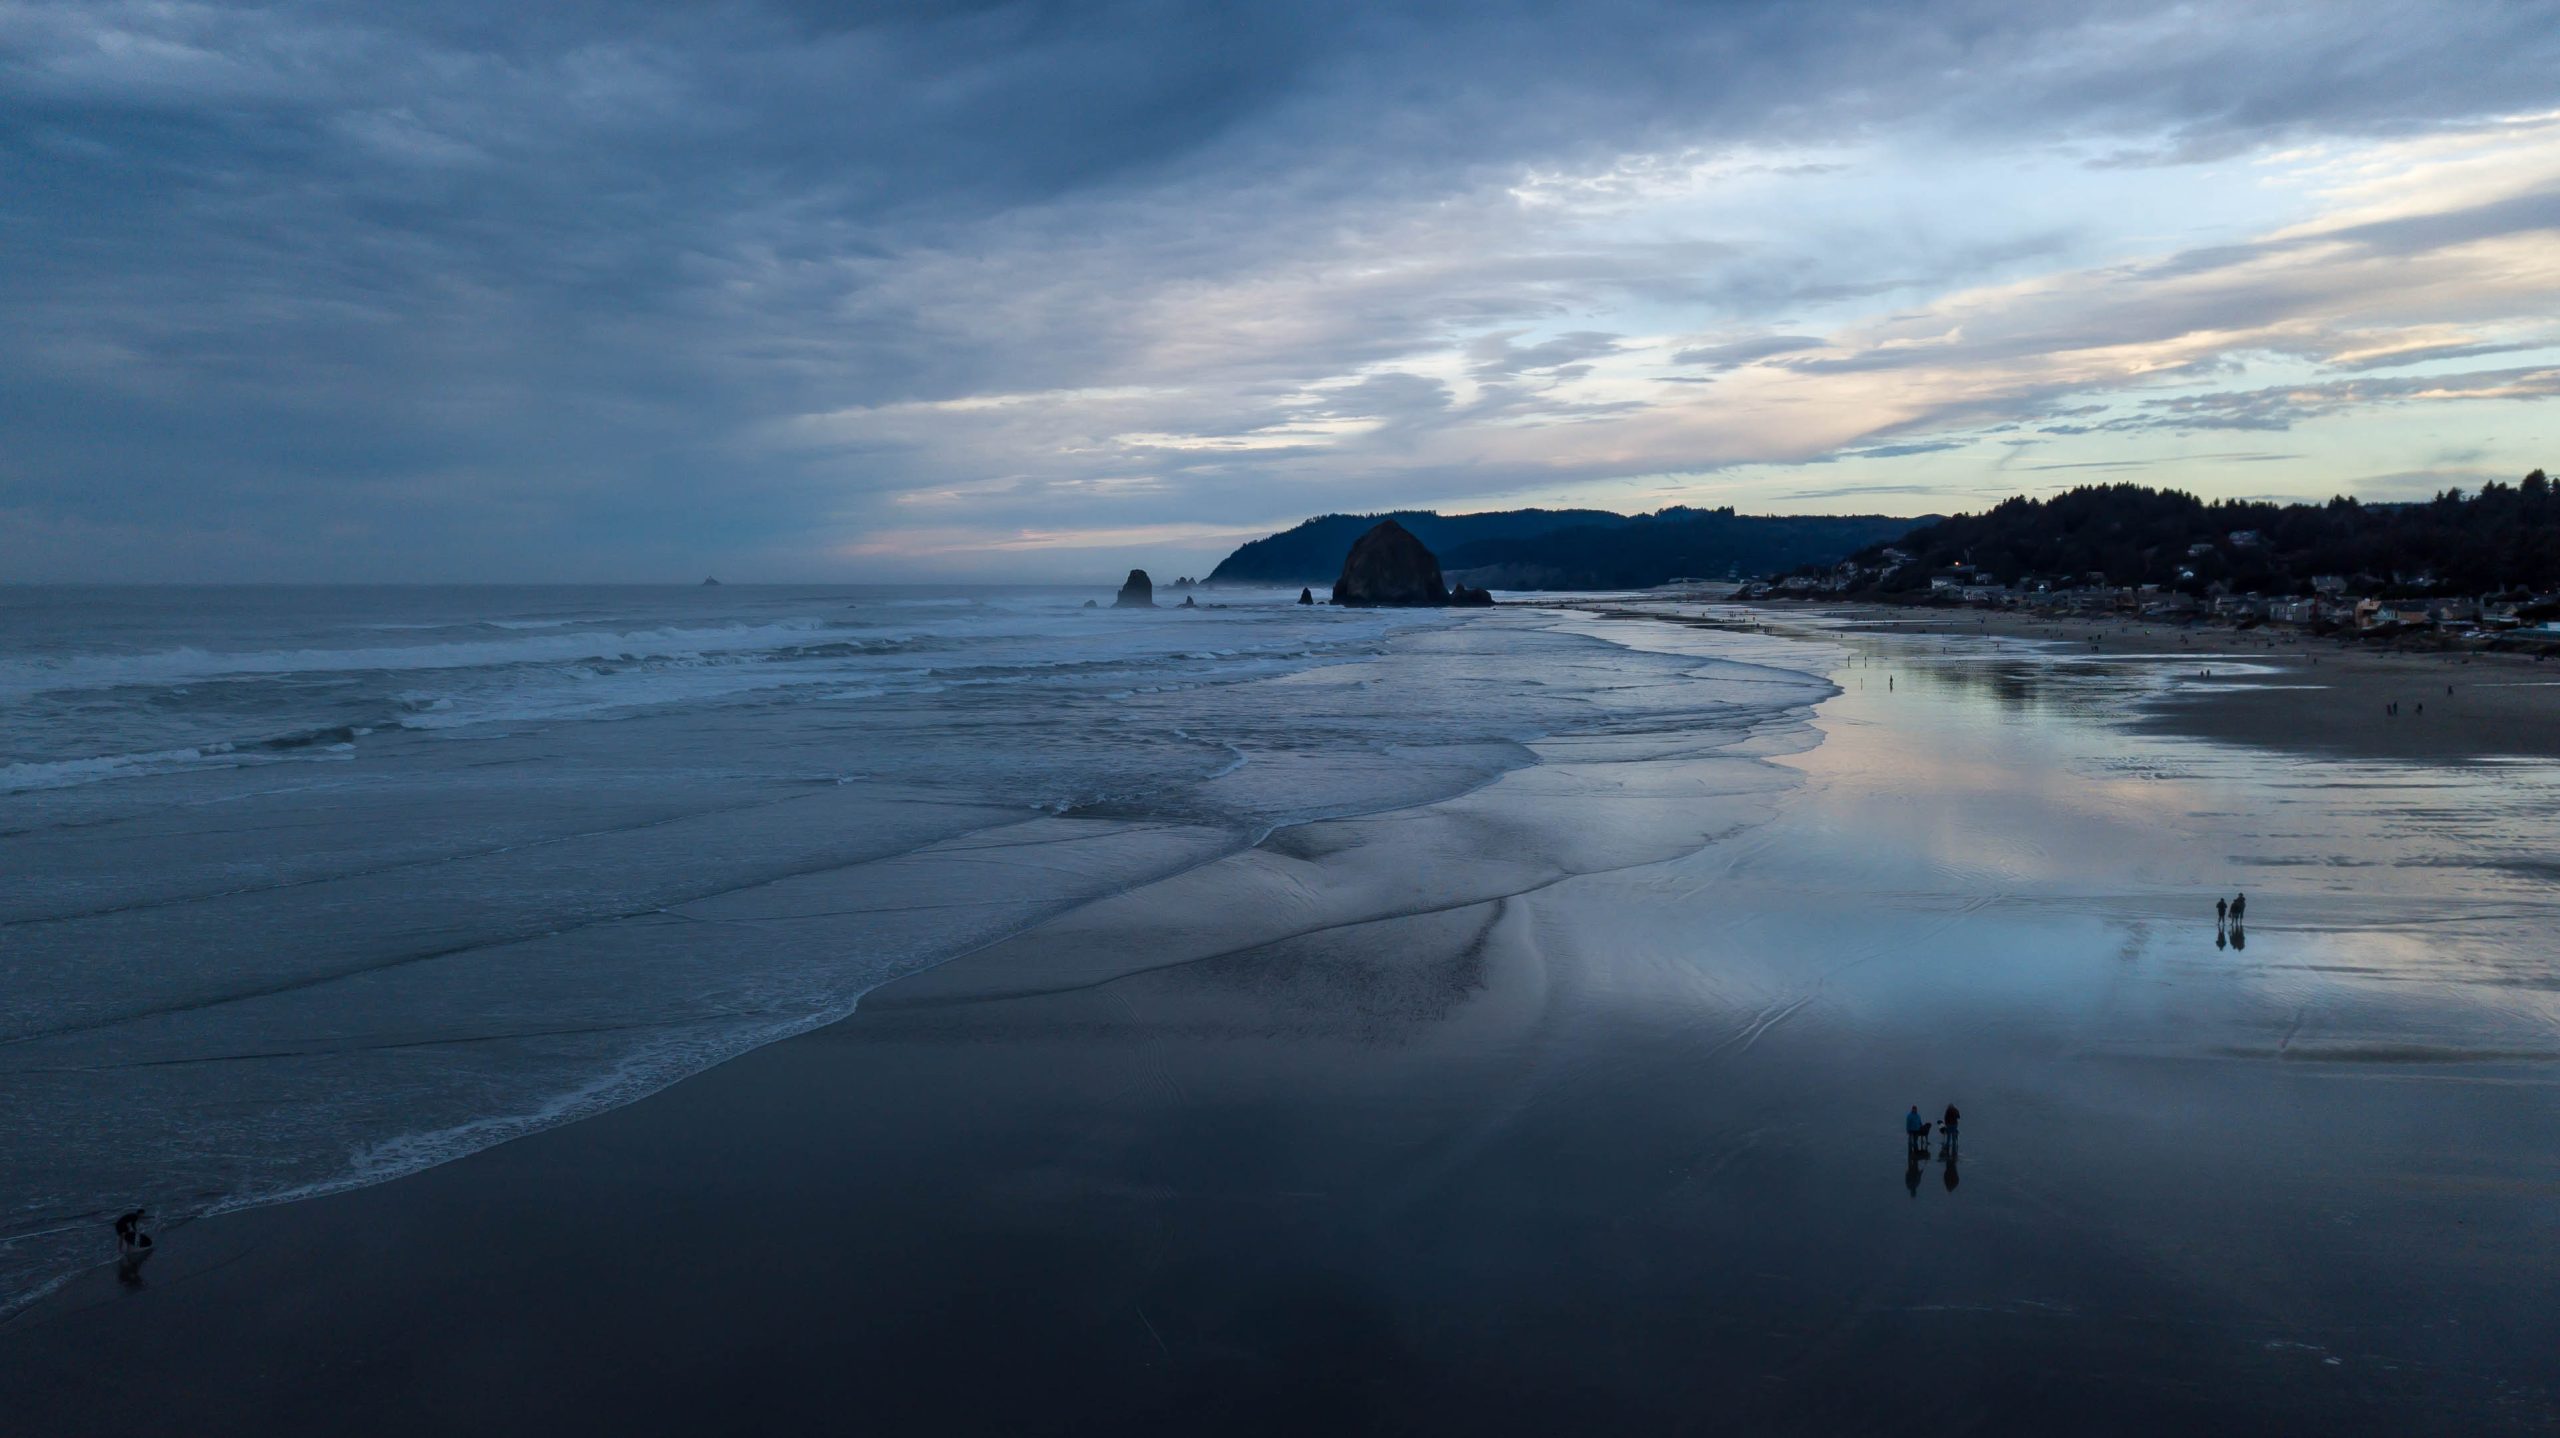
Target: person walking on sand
1915,1128
2239,906
1947,1125
2221,911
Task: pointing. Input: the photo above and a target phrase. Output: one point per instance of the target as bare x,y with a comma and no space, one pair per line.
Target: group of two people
1916,1128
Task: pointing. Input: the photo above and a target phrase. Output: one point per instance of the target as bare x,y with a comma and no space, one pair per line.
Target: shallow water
314,887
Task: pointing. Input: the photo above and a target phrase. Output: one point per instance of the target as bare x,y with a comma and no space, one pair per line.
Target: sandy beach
2297,690
1569,1104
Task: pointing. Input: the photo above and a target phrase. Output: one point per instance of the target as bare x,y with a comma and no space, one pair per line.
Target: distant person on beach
2239,906
1915,1128
1947,1125
133,1246
2221,911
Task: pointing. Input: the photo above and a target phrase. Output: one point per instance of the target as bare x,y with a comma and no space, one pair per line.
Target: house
2243,538
2332,585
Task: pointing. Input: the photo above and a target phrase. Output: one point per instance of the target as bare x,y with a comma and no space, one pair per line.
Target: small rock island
1136,592
1388,566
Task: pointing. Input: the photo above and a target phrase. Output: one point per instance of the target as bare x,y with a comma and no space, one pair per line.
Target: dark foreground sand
1582,1142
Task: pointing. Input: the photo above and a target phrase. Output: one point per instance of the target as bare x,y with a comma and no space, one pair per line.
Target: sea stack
1138,592
1389,566
1306,596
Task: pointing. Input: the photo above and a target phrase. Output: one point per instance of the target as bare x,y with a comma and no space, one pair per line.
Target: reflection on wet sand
1554,1109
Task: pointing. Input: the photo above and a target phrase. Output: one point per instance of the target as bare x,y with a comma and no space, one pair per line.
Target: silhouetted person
1916,1129
2239,906
2221,911
133,1247
1947,1124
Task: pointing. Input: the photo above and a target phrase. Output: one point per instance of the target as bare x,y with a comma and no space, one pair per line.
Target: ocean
310,887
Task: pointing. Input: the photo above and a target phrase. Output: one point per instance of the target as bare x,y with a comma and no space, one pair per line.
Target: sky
907,291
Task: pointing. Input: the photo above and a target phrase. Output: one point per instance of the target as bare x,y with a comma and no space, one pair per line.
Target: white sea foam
192,665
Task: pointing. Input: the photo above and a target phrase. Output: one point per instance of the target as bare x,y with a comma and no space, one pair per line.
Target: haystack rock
1389,566
1139,592
1306,596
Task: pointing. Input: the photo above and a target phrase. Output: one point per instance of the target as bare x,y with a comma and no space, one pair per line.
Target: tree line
2503,538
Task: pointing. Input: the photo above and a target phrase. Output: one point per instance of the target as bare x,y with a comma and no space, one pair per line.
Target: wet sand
1570,1105
2499,705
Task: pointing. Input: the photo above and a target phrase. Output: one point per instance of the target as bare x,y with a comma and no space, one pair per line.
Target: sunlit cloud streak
803,290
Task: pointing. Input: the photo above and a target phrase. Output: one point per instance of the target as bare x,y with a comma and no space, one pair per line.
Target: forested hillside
1312,552
2507,536
1568,548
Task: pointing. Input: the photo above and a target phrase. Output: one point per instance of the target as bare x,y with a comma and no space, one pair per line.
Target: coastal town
2460,572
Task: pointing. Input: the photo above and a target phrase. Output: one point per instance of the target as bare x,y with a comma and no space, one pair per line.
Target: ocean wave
192,665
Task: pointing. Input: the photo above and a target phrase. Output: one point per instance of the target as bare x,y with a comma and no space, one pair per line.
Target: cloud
2284,406
1734,353
483,290
1494,356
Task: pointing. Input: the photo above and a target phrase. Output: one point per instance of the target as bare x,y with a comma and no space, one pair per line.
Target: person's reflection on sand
1951,1170
2239,937
2220,940
1911,1174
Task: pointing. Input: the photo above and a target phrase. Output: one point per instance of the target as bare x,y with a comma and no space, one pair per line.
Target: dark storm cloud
493,290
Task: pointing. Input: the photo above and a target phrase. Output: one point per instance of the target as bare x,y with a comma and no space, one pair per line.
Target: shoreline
2502,706
1542,1106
